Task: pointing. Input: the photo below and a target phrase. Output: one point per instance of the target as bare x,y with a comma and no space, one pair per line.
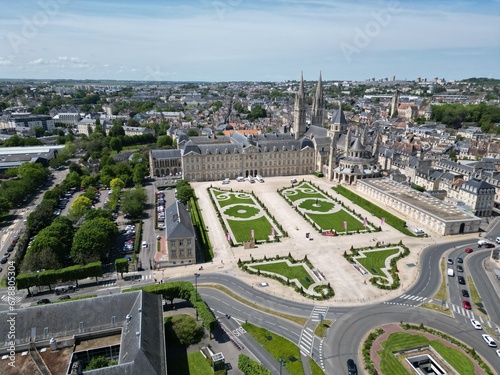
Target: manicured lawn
278,347
304,190
234,198
295,272
241,229
390,365
315,369
336,220
323,206
198,364
243,212
375,260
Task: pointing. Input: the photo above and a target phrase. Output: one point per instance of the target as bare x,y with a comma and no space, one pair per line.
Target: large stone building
335,150
429,212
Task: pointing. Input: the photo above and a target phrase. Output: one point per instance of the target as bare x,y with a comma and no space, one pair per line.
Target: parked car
461,280
43,301
3,260
450,261
460,269
64,297
476,324
466,304
465,293
460,260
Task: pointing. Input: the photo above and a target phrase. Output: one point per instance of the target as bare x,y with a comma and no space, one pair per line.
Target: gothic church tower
299,111
318,105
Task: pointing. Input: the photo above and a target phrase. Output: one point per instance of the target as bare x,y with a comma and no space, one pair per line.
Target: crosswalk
407,300
319,313
306,341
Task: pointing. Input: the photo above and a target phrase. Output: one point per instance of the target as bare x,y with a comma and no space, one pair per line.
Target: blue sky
239,40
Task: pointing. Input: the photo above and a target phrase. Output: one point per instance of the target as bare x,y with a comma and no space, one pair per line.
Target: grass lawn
390,365
336,220
243,212
295,272
242,229
278,347
304,190
315,369
375,261
322,327
323,206
442,293
197,365
234,198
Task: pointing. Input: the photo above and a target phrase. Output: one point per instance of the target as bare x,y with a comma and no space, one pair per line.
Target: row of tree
485,115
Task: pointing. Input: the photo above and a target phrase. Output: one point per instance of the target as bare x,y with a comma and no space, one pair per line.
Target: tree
80,205
184,191
115,144
164,140
99,362
93,240
121,266
133,201
186,329
116,184
72,181
116,131
192,133
4,206
45,258
98,212
140,171
41,217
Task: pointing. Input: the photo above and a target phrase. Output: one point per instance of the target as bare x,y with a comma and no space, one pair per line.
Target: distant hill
483,81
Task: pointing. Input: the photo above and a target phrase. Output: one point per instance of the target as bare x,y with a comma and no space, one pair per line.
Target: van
497,240
482,243
225,181
240,179
259,178
251,179
451,272
419,231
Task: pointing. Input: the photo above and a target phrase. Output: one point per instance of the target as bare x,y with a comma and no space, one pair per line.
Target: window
181,253
172,243
190,252
189,242
181,242
174,253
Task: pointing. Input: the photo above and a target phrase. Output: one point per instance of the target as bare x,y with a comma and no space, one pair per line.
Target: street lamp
196,275
282,363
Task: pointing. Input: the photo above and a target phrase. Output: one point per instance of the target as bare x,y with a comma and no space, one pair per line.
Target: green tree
72,181
164,140
41,217
80,205
185,329
133,201
4,206
116,184
116,131
115,144
121,266
140,171
184,191
93,240
99,362
192,133
43,259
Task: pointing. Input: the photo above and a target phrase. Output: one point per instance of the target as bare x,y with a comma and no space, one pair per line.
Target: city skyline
233,40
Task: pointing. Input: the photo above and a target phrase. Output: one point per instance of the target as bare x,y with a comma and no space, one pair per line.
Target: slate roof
178,221
478,186
142,347
166,154
339,117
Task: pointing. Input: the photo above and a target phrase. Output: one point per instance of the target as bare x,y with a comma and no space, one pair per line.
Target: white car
476,324
498,352
263,284
489,340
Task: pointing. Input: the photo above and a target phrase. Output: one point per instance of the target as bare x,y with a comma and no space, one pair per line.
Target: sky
246,40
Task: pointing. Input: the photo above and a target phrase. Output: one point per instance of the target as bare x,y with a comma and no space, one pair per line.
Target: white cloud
5,61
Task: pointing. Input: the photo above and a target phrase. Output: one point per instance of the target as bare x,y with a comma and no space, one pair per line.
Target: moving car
293,180
489,340
450,261
476,324
43,301
466,304
469,250
352,369
465,293
461,280
460,260
460,269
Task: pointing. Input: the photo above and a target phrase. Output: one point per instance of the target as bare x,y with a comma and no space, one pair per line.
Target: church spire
318,105
299,111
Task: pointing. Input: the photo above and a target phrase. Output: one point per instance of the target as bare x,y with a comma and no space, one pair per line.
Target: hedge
251,367
201,228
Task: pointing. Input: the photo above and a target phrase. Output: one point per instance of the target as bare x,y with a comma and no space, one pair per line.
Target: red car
466,305
468,250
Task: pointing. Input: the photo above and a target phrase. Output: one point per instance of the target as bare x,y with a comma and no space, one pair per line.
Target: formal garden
327,214
298,274
244,217
380,261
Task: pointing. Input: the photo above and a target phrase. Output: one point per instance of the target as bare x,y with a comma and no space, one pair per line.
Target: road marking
306,341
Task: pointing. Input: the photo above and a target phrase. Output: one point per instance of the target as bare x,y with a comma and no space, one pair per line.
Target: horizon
257,41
